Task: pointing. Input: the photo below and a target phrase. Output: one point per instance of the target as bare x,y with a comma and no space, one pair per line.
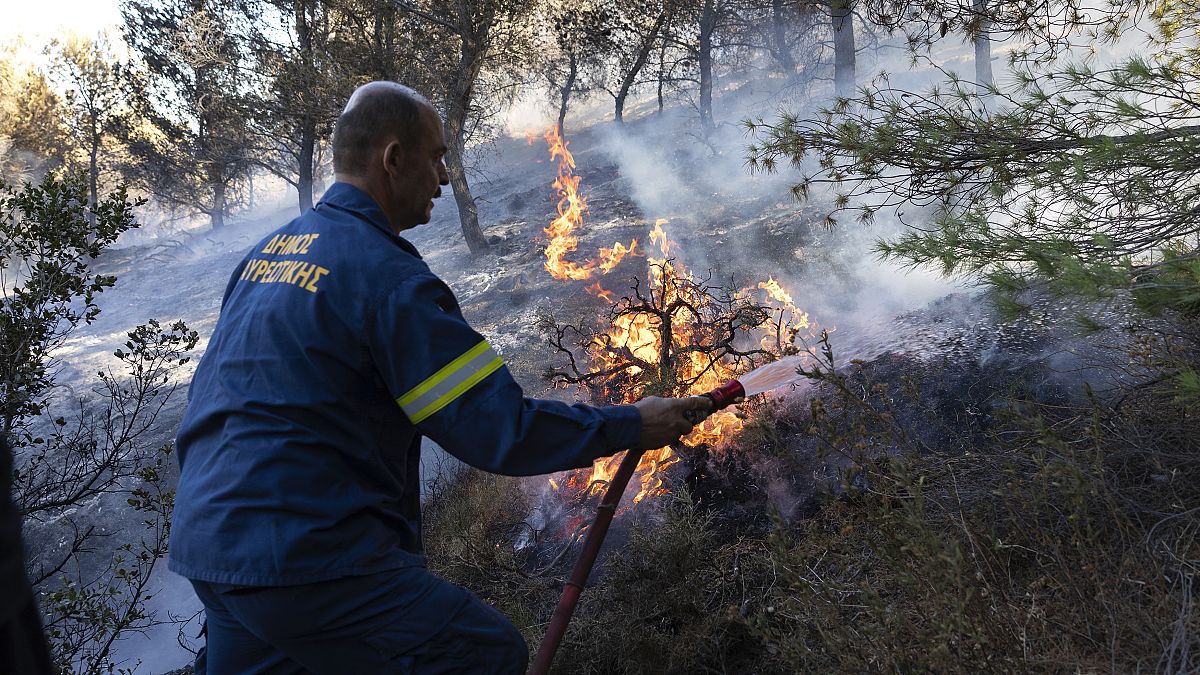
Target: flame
597,290
796,319
611,257
776,292
659,236
638,335
571,207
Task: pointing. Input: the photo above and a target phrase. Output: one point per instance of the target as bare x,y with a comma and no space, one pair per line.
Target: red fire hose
583,566
725,395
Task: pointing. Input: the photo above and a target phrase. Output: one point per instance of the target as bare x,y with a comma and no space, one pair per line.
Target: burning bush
673,336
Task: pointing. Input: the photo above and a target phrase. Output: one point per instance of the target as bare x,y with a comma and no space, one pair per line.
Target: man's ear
393,157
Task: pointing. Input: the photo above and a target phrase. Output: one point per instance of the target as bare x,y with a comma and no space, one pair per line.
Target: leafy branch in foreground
1079,179
93,583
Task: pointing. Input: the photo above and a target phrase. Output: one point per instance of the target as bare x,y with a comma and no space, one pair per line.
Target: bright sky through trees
37,22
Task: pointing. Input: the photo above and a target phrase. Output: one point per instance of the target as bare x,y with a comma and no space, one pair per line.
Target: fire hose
727,394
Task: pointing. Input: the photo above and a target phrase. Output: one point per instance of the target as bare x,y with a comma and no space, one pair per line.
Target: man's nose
443,175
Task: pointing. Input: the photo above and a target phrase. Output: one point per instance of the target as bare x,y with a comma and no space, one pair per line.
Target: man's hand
663,421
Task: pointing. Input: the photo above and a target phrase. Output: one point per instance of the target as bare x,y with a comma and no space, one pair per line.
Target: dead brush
471,524
672,600
1065,540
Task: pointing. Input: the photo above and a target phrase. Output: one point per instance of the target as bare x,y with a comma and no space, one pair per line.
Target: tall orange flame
571,208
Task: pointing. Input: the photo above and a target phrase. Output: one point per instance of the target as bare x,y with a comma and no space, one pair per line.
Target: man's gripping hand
663,421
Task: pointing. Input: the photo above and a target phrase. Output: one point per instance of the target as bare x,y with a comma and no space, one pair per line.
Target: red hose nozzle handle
722,397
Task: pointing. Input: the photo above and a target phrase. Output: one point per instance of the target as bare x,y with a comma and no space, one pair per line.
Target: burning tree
672,335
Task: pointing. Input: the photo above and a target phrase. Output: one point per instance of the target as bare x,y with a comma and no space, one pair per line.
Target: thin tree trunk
457,107
308,122
708,25
318,162
983,49
779,48
567,87
639,62
217,214
304,182
93,179
842,18
382,38
468,215
662,75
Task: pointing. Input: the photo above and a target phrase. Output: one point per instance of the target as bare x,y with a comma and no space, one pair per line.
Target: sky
38,21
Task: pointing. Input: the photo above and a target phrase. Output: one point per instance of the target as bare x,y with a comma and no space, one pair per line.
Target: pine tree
1081,180
195,147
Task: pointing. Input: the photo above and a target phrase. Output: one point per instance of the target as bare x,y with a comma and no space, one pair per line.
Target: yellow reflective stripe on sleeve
447,384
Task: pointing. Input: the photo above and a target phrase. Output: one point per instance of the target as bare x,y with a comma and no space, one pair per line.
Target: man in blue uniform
297,514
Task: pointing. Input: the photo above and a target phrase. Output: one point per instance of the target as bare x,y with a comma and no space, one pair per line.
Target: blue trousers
400,621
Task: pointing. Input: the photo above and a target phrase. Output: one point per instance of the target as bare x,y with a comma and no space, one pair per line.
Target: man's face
421,175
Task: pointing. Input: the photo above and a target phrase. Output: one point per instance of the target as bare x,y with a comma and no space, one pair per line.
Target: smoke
745,225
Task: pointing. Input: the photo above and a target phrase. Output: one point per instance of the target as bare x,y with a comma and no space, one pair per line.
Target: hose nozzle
722,397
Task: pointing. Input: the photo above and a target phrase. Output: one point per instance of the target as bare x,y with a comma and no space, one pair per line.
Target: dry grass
1061,538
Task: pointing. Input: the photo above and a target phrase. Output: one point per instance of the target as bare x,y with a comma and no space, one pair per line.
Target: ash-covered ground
724,221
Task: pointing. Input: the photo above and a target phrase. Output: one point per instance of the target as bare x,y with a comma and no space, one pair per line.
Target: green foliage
47,287
34,136
1074,179
192,148
68,462
86,616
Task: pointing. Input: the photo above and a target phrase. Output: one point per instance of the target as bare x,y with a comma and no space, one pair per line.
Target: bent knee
516,658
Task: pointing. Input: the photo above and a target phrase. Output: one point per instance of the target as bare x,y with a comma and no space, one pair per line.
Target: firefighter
297,516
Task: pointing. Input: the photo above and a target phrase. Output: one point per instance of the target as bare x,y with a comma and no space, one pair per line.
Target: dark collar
349,199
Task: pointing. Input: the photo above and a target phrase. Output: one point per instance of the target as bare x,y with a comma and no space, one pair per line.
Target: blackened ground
966,371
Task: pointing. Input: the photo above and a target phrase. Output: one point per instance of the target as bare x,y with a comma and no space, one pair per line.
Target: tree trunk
304,183
93,178
565,90
662,74
458,105
842,18
468,215
639,62
708,25
983,50
382,38
217,214
318,162
308,122
779,45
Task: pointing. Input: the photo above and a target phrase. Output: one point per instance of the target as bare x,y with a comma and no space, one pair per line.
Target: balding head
376,113
390,144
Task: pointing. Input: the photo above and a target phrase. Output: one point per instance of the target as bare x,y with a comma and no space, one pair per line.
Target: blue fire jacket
336,349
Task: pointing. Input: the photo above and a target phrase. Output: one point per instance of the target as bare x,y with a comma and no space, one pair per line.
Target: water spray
763,378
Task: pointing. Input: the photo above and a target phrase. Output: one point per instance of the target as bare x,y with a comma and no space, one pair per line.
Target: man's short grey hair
375,111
